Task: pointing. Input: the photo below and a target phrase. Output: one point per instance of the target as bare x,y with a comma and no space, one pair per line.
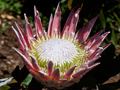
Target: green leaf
102,19
5,87
6,26
114,36
118,20
62,1
1,32
27,81
2,5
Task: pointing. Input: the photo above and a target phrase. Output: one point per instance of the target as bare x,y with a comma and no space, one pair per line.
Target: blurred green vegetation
9,7
12,6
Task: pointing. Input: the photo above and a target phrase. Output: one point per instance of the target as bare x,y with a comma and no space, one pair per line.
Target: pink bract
59,59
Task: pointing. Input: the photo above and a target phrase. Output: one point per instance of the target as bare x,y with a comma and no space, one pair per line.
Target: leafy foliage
10,6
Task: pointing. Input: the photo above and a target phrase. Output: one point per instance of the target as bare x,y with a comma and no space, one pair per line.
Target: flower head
59,59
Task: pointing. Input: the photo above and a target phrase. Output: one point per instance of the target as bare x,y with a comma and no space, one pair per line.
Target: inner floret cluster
63,53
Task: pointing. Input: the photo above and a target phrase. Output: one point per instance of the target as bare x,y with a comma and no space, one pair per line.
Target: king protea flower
59,59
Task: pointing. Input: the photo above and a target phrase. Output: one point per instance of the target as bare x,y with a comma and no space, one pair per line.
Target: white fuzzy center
58,51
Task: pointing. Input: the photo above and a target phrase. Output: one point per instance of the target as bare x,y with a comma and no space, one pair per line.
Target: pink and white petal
80,72
38,25
43,75
35,64
91,62
103,48
25,60
50,67
74,22
21,51
36,75
78,78
94,54
98,52
26,51
20,41
92,39
22,33
28,29
97,43
91,67
56,74
67,24
50,25
69,72
39,75
84,35
56,27
79,32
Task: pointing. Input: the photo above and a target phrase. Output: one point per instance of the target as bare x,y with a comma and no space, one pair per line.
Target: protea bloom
59,59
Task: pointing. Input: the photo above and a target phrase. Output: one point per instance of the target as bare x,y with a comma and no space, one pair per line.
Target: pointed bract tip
32,56
108,32
96,64
105,34
34,63
77,13
50,67
50,62
59,3
34,7
69,72
35,10
51,16
96,16
14,30
94,19
78,10
79,73
12,27
25,18
56,74
15,23
14,48
24,14
58,10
